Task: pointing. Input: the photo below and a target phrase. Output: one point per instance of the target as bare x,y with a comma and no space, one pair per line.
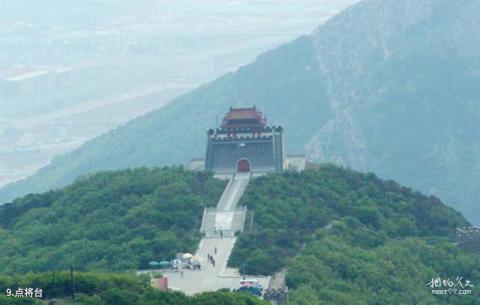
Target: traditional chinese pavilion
244,143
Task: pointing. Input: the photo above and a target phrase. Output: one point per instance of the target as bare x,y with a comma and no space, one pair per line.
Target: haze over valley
65,78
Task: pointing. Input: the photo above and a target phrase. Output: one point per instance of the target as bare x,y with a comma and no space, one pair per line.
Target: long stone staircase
219,226
227,218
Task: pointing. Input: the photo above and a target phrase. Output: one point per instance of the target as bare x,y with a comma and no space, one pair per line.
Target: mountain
385,86
344,237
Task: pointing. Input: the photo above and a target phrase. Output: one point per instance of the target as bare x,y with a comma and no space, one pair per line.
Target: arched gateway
244,134
243,166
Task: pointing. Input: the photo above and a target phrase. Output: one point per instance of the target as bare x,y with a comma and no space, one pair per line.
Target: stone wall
264,152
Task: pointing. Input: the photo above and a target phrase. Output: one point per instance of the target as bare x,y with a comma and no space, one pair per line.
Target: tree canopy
351,238
108,221
344,237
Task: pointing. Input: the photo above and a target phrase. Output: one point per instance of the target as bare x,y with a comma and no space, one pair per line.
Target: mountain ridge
385,86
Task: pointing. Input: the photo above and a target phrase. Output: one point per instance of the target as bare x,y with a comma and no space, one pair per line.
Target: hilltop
344,237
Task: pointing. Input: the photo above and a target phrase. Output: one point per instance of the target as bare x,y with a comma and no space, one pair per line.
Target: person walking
215,250
181,274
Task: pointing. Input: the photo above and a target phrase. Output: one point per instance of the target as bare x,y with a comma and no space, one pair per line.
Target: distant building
244,143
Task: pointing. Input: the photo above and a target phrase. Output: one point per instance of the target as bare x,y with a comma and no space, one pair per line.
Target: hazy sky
86,13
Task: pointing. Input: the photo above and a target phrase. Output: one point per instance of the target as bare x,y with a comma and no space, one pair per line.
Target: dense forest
351,238
93,288
108,221
344,237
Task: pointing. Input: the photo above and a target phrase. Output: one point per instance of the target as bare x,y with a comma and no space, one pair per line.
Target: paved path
211,278
208,278
233,192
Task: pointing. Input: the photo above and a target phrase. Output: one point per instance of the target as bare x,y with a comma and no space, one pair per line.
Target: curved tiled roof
243,117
